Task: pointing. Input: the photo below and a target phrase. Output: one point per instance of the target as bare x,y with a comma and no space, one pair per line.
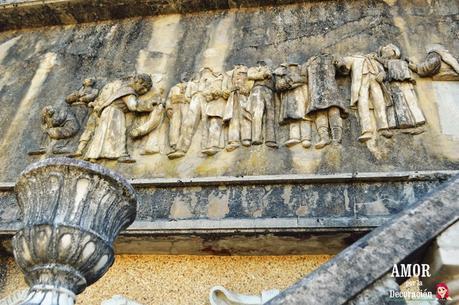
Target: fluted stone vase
72,213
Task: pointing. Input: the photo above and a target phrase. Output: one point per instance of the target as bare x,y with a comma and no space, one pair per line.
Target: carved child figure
405,112
291,83
238,114
262,104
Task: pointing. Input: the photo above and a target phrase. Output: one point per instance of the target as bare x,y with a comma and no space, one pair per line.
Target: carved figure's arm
90,97
154,119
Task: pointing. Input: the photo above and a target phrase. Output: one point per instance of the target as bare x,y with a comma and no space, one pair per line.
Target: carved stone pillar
72,212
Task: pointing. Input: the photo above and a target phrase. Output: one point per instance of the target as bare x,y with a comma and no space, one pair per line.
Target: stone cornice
18,14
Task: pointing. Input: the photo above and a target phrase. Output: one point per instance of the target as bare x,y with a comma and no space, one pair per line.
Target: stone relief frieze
246,106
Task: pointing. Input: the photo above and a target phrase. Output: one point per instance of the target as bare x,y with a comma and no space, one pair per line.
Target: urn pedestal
72,213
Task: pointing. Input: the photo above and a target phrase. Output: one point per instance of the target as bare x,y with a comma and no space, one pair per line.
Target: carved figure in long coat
262,104
405,111
367,92
291,84
238,113
198,91
439,64
325,102
116,99
177,105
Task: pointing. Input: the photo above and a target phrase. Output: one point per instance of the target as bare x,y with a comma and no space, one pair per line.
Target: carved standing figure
216,93
439,64
198,90
262,105
238,114
177,105
405,111
291,83
367,92
115,99
325,102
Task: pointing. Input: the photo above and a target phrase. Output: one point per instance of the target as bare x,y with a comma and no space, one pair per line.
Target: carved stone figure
291,83
59,124
238,113
208,93
367,92
405,111
155,107
72,213
439,64
221,296
177,105
81,99
62,122
216,94
262,104
325,102
108,139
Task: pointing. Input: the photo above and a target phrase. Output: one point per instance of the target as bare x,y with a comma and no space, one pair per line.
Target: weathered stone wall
41,66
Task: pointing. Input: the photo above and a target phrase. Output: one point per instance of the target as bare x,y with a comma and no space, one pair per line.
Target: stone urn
72,213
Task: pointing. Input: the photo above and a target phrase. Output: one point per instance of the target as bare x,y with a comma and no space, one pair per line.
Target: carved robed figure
116,98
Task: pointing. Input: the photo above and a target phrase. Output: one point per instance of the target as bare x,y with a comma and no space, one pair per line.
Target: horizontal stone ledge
235,236
243,237
16,14
433,175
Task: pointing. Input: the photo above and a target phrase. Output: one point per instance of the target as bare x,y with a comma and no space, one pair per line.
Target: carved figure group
245,106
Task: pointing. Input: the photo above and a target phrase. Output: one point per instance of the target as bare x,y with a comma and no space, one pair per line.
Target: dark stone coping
372,257
17,14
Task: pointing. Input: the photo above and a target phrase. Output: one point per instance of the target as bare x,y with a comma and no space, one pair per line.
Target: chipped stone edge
401,176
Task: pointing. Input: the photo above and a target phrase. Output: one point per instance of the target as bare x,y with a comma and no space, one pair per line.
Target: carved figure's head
89,82
264,62
389,51
185,77
141,83
442,291
206,71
